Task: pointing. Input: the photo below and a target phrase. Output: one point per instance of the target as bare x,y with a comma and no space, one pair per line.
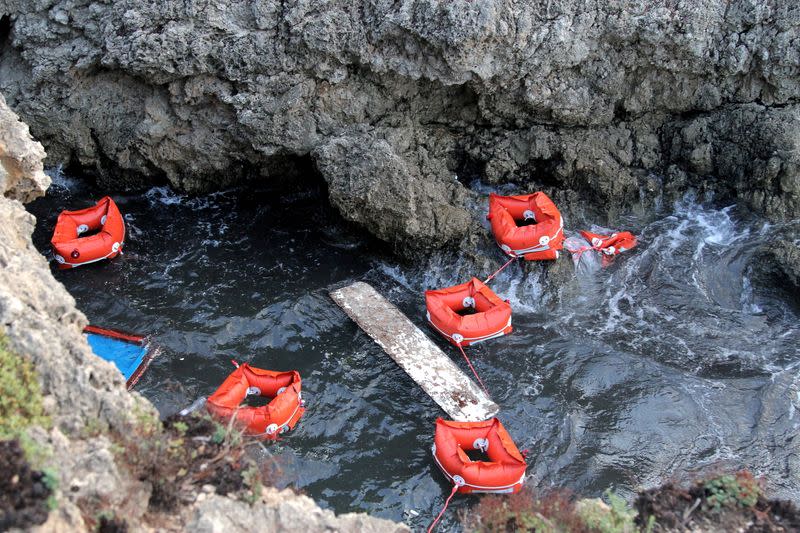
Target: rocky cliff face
605,105
86,396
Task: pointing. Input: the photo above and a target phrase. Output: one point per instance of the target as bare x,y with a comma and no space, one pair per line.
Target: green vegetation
181,456
219,434
26,494
723,502
20,394
556,512
21,406
732,490
50,480
252,479
616,517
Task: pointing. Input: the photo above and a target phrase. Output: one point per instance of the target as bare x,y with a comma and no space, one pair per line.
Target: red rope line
474,371
446,503
500,269
114,334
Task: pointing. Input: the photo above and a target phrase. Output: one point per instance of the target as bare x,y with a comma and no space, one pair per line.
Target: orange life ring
611,245
543,235
503,473
281,414
71,249
491,318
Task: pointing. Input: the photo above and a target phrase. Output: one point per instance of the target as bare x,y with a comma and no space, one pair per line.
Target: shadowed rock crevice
747,153
5,31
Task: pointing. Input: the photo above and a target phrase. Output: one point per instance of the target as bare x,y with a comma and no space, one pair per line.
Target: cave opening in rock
291,173
5,31
288,176
469,168
254,181
543,171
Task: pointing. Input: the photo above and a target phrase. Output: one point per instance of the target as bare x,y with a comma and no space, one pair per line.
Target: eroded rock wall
603,103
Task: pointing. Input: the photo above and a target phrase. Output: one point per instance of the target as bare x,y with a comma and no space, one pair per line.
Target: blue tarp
126,355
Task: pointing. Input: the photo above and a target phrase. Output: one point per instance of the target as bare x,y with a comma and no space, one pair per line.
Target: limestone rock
22,174
776,264
589,100
749,153
281,511
373,186
39,315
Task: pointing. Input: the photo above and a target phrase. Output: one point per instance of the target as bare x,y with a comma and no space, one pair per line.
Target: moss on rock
21,403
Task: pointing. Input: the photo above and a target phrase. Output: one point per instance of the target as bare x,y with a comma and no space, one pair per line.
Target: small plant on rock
20,394
614,517
527,511
185,454
732,490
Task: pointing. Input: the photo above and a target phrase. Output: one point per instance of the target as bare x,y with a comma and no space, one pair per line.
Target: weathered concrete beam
429,366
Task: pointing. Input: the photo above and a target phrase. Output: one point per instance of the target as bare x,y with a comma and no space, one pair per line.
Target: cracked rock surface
604,105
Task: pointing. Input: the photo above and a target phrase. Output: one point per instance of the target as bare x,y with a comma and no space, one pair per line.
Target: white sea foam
164,195
59,180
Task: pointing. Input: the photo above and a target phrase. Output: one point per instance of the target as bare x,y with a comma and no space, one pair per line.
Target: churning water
665,363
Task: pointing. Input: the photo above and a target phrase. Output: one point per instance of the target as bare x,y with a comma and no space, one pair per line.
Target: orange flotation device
72,247
503,473
610,245
281,414
491,316
529,226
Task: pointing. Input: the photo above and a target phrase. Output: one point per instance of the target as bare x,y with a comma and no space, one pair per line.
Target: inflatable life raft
281,414
529,226
89,235
129,353
504,472
468,313
611,245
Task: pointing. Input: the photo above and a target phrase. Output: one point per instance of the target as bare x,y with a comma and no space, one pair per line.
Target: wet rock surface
370,184
750,153
777,264
604,106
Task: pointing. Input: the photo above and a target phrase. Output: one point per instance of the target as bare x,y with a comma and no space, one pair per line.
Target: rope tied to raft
475,372
579,251
500,269
456,483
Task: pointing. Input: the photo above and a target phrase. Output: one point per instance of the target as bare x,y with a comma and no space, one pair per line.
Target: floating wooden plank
429,366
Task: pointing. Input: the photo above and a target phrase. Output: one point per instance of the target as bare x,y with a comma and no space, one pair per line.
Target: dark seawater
665,363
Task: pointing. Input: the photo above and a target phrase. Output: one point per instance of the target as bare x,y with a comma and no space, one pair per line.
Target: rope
500,269
446,503
474,371
579,251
